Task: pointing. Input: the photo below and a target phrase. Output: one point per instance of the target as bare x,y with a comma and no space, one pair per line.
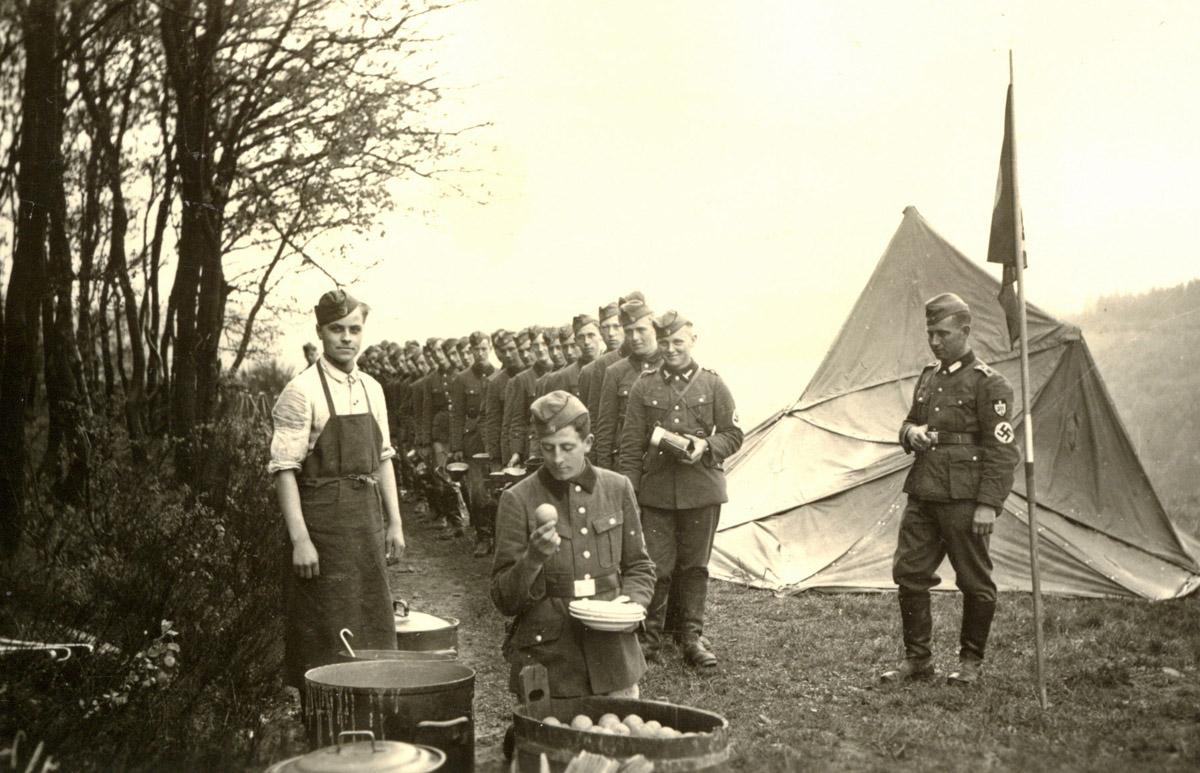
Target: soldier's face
588,341
570,352
948,339
555,353
310,353
526,352
482,350
612,332
342,338
439,357
564,452
509,355
464,358
539,350
641,336
677,348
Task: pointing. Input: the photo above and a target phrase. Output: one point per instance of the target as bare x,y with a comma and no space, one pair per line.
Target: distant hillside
1147,347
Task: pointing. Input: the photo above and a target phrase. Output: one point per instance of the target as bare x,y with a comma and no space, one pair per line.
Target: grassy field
798,679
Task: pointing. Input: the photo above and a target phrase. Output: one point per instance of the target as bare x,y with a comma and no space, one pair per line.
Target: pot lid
369,757
420,621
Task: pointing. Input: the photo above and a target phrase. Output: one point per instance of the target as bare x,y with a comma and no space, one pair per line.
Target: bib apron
343,510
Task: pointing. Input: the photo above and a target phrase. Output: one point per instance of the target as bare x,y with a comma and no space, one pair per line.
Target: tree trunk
38,157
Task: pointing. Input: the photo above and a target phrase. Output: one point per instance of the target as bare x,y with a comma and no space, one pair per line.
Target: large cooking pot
424,702
420,632
369,756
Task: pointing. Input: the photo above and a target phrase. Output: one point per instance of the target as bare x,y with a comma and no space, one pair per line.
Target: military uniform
495,438
966,406
591,377
614,400
681,503
519,394
602,554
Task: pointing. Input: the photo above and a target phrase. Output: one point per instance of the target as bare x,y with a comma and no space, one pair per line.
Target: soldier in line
520,393
508,349
638,322
959,429
591,377
680,495
570,347
467,398
585,334
524,346
554,351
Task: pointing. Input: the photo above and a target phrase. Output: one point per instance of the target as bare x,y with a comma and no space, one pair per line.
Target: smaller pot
421,632
369,756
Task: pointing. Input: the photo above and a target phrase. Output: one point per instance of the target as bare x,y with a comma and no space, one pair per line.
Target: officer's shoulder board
984,368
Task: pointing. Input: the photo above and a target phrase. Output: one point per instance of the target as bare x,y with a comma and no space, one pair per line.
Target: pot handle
440,734
444,723
350,733
400,607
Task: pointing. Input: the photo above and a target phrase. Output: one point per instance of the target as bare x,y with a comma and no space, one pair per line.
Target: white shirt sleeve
379,409
293,421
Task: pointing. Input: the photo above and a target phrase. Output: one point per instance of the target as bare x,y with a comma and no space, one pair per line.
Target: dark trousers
680,543
930,531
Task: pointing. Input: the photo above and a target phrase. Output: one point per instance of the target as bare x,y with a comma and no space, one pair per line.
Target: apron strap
325,386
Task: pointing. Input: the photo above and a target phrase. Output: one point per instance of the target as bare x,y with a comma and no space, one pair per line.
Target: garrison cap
941,306
309,346
464,342
432,343
632,311
411,345
335,304
523,336
635,295
449,345
555,410
536,332
581,321
502,338
669,323
566,334
478,337
609,310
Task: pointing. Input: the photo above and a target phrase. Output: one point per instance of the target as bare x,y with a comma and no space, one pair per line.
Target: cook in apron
343,511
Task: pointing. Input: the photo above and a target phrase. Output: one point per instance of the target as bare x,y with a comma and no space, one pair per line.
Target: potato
608,719
633,720
619,729
581,722
544,514
553,721
601,729
653,725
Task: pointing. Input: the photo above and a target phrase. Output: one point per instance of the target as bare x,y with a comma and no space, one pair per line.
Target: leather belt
317,481
563,585
941,438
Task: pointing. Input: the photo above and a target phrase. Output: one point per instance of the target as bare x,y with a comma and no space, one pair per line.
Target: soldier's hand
985,517
514,460
699,446
544,542
918,438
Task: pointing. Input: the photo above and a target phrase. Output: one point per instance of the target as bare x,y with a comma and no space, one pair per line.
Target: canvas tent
815,492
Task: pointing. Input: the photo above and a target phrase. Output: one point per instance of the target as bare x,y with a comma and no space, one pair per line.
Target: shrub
180,590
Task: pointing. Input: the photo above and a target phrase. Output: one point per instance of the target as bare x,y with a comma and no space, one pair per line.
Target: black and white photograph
599,386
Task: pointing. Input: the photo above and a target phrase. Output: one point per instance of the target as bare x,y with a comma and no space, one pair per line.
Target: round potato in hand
544,514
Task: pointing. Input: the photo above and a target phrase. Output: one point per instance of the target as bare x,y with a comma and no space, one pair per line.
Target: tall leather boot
976,624
917,623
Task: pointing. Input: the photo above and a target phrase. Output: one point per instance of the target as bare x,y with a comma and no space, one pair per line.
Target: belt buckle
933,438
583,588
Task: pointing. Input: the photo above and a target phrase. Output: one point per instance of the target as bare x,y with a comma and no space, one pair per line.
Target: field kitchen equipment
427,702
676,445
350,654
421,632
367,756
704,747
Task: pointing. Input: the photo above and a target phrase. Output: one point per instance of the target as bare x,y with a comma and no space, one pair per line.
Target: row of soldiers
448,402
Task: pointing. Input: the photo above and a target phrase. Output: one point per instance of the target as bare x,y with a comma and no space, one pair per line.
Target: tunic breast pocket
607,529
701,411
655,411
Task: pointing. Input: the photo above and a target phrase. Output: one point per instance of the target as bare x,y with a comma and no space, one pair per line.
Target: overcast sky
747,162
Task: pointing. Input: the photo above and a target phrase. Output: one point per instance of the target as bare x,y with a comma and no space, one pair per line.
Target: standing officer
959,429
508,349
467,394
638,322
593,549
331,459
592,376
680,495
519,394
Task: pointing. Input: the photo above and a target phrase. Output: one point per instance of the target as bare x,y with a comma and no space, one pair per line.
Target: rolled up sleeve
379,409
292,419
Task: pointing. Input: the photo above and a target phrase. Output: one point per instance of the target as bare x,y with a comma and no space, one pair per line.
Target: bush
180,590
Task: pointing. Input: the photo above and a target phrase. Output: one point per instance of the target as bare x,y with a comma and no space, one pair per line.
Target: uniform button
583,530
974,458
676,419
937,409
587,554
701,399
654,402
578,489
538,637
939,389
677,407
582,510
612,520
587,577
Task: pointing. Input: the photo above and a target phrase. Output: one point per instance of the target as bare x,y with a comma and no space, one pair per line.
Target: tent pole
1027,409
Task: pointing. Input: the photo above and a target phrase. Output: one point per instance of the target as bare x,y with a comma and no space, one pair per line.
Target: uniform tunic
968,405
467,394
568,379
436,404
519,394
494,440
614,397
591,379
602,541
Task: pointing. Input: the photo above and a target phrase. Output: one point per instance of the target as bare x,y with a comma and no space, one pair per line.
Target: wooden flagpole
1027,406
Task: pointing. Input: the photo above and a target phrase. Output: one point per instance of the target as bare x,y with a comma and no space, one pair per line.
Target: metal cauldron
427,702
368,756
421,632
